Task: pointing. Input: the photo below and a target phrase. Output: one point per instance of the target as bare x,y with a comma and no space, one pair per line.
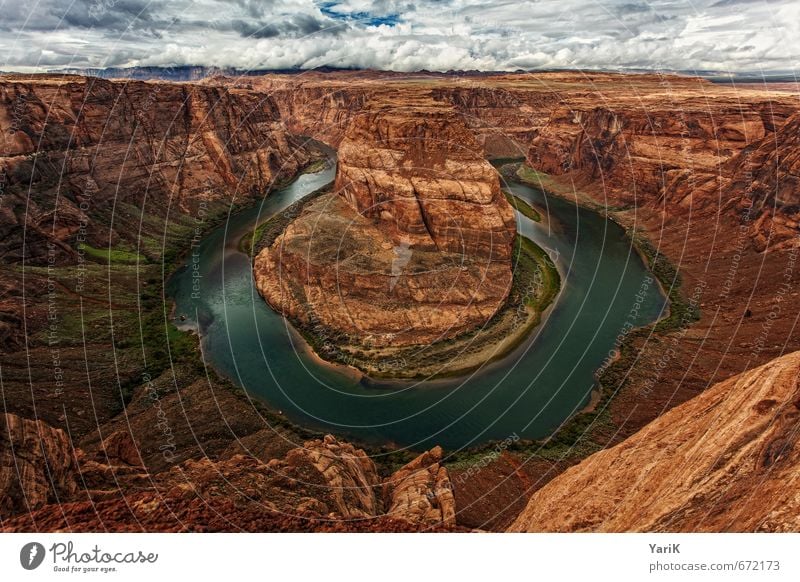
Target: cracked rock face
325,484
37,464
421,491
415,243
727,460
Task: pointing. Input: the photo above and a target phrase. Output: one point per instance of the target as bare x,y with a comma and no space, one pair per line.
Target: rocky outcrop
314,105
37,465
82,146
412,165
414,246
727,460
768,173
120,447
347,477
685,156
639,150
420,492
48,486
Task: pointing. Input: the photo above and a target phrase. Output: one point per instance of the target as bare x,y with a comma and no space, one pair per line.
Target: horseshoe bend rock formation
415,243
727,460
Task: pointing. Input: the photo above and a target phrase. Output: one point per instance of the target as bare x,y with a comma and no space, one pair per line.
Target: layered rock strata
79,146
421,491
37,465
415,244
318,485
92,170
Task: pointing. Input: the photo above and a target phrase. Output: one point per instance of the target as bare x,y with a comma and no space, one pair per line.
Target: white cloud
737,35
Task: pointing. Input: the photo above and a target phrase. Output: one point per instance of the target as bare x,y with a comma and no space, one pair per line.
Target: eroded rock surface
325,484
89,166
143,146
727,460
421,492
415,243
37,464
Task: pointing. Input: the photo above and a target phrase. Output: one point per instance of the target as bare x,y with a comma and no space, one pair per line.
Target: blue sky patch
365,18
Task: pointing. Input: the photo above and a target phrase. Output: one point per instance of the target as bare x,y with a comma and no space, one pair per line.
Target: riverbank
535,285
526,383
523,207
678,314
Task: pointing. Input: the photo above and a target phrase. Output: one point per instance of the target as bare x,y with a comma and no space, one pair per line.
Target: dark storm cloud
110,14
300,25
253,8
255,29
631,8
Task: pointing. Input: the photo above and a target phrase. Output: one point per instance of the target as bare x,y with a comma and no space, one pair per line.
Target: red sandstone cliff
323,485
75,151
654,144
727,460
133,167
414,246
411,163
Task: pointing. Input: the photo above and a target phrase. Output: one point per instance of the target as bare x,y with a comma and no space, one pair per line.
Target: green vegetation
316,166
504,161
544,182
574,435
112,255
530,176
247,242
523,207
588,432
534,268
269,230
536,283
681,311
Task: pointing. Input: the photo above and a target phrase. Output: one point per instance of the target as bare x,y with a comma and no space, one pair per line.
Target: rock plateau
415,243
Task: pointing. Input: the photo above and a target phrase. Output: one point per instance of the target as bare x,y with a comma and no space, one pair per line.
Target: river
528,394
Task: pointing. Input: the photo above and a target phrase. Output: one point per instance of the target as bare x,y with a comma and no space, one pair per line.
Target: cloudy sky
404,35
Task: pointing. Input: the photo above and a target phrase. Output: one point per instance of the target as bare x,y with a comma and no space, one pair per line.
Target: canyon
414,245
132,171
706,173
